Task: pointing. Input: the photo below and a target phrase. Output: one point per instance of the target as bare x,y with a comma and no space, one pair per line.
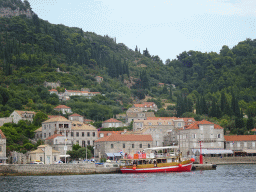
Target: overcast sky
165,28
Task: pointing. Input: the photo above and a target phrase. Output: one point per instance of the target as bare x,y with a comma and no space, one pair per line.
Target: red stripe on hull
184,168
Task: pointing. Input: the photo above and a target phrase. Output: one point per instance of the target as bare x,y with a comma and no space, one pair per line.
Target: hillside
32,49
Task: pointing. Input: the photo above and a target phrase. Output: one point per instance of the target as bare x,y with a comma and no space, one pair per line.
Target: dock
197,167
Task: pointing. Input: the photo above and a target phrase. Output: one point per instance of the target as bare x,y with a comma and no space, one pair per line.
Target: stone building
57,125
99,79
22,115
59,142
115,143
53,85
132,116
108,133
53,91
146,106
209,134
63,109
45,154
2,148
76,117
4,120
38,133
239,143
112,123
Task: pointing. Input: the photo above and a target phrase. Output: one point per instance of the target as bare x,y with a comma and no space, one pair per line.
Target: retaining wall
55,169
229,160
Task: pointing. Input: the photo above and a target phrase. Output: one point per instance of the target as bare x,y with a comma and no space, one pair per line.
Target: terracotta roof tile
54,136
22,112
54,116
76,125
117,137
75,115
55,119
2,135
109,132
196,124
37,151
112,120
253,129
161,118
38,130
53,90
240,137
62,107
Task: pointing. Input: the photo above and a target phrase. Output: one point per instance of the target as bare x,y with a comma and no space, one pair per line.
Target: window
88,134
82,134
159,123
112,146
55,158
77,134
132,145
41,158
253,144
140,145
194,136
238,144
93,134
123,145
66,134
179,124
44,135
101,135
44,127
83,143
245,144
88,142
148,145
72,134
150,123
0,148
49,134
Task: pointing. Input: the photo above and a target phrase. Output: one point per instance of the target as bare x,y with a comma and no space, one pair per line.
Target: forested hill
32,49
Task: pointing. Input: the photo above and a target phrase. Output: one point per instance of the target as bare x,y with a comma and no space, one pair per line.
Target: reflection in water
225,178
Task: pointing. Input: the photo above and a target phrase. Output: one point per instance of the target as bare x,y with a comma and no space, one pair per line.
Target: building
112,123
132,116
45,154
115,143
146,106
38,133
108,133
57,125
4,120
58,130
157,128
210,135
2,148
99,79
53,85
240,143
22,115
83,134
160,84
76,117
63,109
53,91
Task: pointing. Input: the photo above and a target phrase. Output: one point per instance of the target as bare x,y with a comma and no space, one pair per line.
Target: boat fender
192,159
180,165
134,167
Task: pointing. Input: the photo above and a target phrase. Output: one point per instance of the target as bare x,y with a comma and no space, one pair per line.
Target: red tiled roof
62,107
112,120
161,83
22,112
117,137
240,137
107,132
54,136
75,91
145,104
53,90
253,129
95,92
196,124
2,134
75,115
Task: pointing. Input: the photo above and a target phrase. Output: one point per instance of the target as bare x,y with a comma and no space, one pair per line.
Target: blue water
225,178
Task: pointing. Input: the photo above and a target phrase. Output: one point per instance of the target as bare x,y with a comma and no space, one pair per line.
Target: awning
250,150
110,154
117,155
64,155
212,151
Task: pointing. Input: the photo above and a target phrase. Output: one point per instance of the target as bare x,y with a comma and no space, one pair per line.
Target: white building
22,115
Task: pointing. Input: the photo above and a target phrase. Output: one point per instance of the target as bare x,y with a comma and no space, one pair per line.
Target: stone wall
229,160
54,169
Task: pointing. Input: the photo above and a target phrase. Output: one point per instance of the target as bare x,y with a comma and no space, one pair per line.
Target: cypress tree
249,124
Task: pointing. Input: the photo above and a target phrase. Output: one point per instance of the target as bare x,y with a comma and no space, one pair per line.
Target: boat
151,161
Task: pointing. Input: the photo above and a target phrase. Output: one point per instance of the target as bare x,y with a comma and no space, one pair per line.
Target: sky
165,28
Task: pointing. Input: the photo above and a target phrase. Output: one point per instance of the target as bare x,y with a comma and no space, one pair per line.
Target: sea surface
224,178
